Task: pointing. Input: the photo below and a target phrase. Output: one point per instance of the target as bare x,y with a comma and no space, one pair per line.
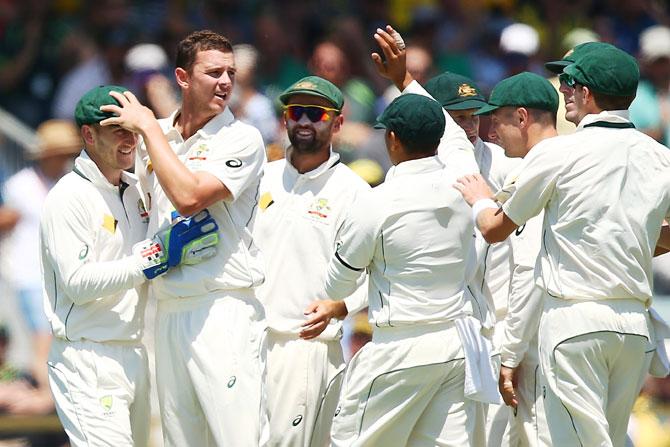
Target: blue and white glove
189,241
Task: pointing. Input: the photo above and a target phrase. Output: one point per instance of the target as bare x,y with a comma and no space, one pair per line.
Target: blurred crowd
53,51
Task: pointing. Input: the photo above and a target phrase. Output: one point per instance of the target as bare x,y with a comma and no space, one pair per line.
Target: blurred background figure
21,396
520,43
357,332
650,421
650,111
420,66
148,76
24,192
247,103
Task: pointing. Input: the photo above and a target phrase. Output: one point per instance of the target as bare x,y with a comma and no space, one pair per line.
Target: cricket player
210,334
605,191
523,111
410,385
304,199
94,271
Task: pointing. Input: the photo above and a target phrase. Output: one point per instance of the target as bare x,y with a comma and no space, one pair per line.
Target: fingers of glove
198,250
196,257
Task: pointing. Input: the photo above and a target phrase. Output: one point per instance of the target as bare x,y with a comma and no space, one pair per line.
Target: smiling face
309,137
207,86
574,100
467,121
505,130
112,148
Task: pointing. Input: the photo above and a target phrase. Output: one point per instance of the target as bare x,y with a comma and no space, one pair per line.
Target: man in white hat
24,192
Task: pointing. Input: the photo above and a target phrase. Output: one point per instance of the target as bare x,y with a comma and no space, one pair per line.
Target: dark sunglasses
566,79
314,113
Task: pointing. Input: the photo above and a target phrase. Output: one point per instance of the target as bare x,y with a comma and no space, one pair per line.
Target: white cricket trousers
405,387
593,377
304,378
101,391
528,424
210,362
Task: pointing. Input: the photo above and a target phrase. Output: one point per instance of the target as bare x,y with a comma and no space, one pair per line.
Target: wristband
481,205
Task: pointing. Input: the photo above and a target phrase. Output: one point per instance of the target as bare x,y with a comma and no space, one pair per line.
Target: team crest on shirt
466,90
143,211
200,153
107,403
319,208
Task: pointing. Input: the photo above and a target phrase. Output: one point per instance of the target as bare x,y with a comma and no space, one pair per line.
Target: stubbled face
306,136
467,121
210,80
504,130
113,147
575,106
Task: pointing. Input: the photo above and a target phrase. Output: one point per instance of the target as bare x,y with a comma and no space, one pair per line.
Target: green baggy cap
570,57
525,89
607,70
88,108
314,85
455,92
414,119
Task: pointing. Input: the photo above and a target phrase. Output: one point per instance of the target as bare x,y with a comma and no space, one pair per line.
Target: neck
538,132
190,120
305,162
113,175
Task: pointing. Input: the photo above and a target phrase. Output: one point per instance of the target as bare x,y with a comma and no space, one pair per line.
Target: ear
337,123
522,115
87,134
182,77
588,95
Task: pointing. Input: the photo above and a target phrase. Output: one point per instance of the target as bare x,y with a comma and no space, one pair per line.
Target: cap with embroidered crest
314,85
455,92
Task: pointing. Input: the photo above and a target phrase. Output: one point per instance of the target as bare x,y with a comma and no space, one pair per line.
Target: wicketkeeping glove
188,241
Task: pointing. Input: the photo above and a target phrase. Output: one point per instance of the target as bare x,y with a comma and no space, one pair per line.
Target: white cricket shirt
605,192
233,152
413,234
93,285
295,230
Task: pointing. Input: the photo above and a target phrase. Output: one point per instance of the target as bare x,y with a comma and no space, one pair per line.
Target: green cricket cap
525,89
88,108
455,92
413,118
570,57
314,85
609,71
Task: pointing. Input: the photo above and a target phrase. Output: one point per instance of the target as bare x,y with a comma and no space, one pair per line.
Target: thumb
311,307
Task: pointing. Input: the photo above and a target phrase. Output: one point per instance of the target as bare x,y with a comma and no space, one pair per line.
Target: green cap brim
487,109
465,105
557,66
379,125
284,97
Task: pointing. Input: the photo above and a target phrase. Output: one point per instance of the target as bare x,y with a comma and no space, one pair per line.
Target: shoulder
350,180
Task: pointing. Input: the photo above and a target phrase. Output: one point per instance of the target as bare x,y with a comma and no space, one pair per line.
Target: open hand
395,65
319,314
473,187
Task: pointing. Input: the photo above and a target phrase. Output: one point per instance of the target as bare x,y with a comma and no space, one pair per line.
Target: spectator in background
650,111
330,62
420,66
147,66
25,192
247,103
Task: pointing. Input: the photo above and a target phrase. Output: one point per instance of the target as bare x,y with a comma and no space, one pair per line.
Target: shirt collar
609,116
417,166
223,119
86,168
333,159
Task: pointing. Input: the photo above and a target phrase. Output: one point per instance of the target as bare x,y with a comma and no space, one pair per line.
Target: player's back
612,192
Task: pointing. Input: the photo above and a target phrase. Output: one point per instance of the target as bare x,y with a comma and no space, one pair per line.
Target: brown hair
197,41
609,102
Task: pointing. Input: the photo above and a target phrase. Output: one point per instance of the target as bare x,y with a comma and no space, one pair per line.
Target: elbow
492,236
188,205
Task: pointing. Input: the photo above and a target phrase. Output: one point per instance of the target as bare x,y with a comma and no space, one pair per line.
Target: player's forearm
183,187
95,280
494,225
